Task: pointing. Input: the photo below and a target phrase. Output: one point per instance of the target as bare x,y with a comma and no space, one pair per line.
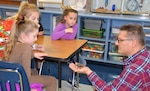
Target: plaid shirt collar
129,60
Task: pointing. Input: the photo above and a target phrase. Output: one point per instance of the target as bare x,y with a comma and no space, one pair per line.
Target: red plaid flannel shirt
134,77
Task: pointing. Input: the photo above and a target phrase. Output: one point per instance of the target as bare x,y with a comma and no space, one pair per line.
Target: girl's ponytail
13,37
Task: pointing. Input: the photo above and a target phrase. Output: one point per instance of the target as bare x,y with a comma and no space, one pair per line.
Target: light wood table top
60,49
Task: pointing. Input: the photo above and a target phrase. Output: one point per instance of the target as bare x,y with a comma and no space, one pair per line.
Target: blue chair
13,77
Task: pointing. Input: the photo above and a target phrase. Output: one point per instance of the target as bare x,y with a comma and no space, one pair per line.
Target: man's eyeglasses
121,40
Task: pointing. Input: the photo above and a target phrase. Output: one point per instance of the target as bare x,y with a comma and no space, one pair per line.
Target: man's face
124,43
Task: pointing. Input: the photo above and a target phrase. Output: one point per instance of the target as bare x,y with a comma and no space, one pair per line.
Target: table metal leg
41,67
73,80
59,75
77,75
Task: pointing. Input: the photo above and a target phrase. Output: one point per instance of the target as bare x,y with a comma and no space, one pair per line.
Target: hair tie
20,19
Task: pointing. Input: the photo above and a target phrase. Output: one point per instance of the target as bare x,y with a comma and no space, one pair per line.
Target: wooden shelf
107,11
134,13
15,2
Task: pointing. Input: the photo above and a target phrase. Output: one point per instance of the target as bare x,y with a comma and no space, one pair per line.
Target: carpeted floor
106,71
82,87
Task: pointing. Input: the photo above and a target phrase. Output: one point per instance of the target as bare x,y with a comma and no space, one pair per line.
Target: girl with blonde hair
29,11
19,49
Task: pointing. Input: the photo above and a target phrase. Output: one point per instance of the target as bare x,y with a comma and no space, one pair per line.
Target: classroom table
60,51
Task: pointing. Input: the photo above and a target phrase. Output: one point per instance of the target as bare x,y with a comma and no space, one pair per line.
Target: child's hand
33,90
38,47
40,55
69,30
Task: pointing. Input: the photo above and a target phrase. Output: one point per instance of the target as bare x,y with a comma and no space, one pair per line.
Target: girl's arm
70,36
58,32
41,30
75,30
41,33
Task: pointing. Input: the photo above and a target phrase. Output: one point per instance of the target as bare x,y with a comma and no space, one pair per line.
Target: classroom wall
101,3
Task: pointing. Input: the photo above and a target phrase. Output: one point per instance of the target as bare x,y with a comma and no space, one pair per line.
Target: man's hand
76,68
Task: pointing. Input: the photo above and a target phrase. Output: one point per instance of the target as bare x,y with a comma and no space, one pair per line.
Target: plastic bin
93,54
94,46
115,31
92,24
116,57
114,48
93,33
148,48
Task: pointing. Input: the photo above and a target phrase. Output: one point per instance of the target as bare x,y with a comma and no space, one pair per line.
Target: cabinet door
8,12
146,27
46,21
49,21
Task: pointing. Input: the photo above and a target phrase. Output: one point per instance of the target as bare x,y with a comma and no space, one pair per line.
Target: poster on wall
136,6
49,3
121,6
106,6
52,1
79,5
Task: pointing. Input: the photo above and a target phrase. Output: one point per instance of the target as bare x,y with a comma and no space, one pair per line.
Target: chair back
13,77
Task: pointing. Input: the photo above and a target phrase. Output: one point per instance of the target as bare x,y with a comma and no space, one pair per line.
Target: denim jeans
67,73
74,59
81,60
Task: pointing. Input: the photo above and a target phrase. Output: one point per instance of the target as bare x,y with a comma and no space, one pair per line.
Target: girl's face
71,19
31,37
34,17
